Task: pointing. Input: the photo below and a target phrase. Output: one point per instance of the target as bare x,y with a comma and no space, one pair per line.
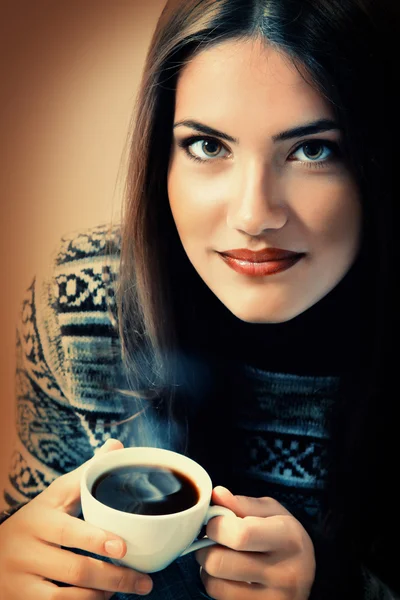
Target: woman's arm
68,363
66,377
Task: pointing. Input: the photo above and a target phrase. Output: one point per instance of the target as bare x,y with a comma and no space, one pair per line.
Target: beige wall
69,74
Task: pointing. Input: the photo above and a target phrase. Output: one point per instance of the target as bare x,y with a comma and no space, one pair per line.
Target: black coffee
145,490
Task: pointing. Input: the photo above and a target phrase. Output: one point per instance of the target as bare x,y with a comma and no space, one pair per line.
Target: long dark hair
346,49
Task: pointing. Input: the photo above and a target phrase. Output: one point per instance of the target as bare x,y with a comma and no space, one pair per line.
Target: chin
275,315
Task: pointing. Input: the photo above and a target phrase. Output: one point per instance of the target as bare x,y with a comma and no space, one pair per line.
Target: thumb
64,492
223,497
108,446
246,506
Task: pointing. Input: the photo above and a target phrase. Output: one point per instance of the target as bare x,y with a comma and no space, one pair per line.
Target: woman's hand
31,555
266,554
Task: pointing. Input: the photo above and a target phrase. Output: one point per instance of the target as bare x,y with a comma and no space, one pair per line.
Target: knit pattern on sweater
69,371
68,364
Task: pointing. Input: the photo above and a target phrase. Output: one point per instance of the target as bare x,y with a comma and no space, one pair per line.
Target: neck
327,339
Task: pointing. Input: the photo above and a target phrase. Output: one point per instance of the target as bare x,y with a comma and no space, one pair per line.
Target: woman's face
265,207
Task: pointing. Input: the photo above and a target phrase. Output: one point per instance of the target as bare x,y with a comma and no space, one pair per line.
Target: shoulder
88,245
83,271
71,310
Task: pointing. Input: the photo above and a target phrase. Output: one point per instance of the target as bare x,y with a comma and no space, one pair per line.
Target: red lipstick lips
260,263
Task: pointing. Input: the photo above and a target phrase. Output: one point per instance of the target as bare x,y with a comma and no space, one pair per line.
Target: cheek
331,213
195,205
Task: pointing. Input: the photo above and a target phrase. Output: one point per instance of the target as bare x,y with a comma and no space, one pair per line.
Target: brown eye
205,149
313,150
211,147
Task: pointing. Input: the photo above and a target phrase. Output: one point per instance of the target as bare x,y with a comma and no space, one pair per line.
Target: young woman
254,287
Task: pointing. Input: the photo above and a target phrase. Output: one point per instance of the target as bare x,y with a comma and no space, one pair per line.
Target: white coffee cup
153,541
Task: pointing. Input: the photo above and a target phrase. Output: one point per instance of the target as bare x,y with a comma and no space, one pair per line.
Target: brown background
69,71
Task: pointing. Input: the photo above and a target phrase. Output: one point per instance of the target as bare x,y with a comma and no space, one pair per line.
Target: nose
257,202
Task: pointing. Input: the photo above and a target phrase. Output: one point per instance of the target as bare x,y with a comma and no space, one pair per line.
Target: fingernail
114,547
143,585
221,488
113,442
103,447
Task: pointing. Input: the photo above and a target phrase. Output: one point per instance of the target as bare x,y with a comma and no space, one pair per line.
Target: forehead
249,76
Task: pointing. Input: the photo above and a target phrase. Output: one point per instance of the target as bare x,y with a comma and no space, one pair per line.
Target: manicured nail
114,547
143,585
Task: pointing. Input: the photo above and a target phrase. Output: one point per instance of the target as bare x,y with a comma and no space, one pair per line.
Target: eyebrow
311,128
307,129
206,130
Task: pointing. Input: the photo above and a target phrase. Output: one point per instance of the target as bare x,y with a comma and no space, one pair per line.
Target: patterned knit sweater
69,367
69,363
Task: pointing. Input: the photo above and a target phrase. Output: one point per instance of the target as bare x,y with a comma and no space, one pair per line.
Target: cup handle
213,511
